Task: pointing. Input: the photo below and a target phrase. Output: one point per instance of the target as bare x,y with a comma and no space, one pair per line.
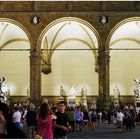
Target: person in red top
44,120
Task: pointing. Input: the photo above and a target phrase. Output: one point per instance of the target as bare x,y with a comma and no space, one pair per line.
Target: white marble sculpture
72,97
62,92
116,92
93,104
84,96
137,88
72,92
116,100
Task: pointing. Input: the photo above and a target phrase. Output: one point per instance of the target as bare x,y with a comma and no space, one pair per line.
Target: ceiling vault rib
3,31
124,39
12,41
70,39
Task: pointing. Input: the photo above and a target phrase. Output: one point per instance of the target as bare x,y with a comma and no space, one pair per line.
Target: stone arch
13,35
70,19
123,42
82,25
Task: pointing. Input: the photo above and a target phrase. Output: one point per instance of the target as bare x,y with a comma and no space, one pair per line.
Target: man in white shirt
120,117
17,117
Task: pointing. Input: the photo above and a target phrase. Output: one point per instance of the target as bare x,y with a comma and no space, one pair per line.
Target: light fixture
103,19
35,20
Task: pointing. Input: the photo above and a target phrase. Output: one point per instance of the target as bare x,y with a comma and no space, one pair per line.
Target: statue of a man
1,81
137,89
72,92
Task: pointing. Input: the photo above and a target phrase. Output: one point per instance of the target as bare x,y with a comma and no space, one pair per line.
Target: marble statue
137,88
1,82
84,92
84,96
72,92
116,100
71,100
62,92
116,92
1,92
93,104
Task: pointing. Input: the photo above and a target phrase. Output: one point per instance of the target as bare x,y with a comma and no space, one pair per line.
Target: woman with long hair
44,120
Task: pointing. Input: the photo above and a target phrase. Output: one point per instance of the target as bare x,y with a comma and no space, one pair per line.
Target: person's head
61,106
32,106
16,108
78,109
119,110
24,108
44,111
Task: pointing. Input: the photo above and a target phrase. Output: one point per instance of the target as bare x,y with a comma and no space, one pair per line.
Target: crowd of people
49,121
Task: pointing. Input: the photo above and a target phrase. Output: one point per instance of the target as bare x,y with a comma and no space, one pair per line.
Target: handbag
37,136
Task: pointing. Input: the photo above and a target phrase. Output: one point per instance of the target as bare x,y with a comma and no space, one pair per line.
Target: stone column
107,79
104,96
35,77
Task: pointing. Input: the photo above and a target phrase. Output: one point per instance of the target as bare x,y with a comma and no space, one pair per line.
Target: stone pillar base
71,101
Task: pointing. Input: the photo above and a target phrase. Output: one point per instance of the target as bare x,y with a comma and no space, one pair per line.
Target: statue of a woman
116,92
62,92
72,92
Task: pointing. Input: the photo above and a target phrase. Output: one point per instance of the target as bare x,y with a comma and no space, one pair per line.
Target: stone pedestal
116,102
61,99
71,101
137,104
84,101
1,97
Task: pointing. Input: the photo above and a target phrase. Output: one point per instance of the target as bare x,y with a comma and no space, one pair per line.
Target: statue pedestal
84,101
137,104
71,101
61,99
116,102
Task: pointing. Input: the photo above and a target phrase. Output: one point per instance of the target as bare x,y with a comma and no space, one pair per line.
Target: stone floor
105,132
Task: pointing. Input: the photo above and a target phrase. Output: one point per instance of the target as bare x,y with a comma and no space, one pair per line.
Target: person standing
120,117
94,118
31,121
71,117
79,119
3,116
61,124
99,117
17,117
85,118
44,121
